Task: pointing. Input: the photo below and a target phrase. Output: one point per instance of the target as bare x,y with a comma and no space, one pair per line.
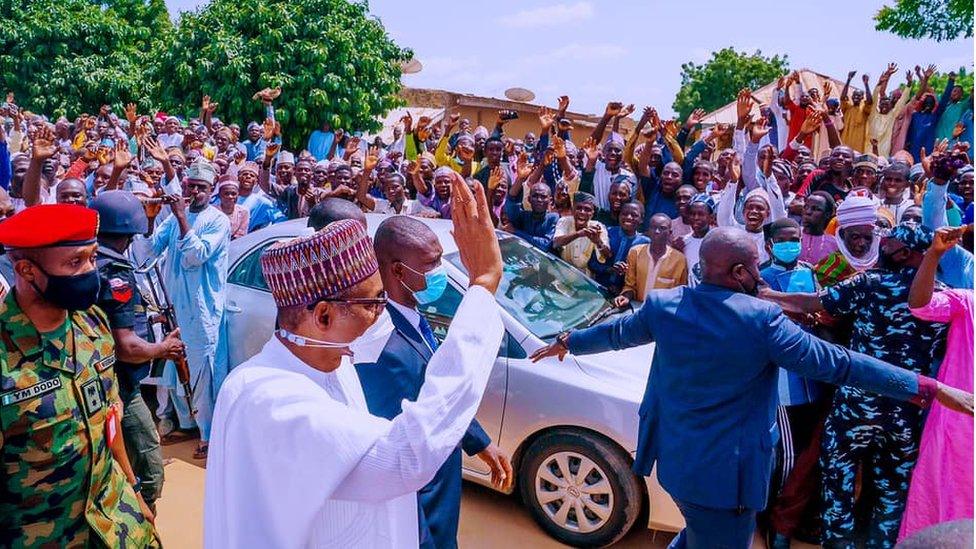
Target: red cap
50,225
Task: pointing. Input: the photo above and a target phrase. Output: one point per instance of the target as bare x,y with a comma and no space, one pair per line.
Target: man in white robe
296,460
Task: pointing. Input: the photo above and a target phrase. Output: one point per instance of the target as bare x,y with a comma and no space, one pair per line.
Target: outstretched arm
798,351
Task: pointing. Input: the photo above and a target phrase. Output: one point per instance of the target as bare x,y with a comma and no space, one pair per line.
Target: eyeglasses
374,304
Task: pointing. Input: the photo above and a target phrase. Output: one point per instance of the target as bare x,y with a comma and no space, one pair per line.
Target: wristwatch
563,340
137,485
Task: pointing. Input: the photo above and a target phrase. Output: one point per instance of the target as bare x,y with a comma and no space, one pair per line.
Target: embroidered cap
308,268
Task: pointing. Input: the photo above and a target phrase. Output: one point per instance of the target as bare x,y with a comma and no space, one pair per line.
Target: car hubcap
574,492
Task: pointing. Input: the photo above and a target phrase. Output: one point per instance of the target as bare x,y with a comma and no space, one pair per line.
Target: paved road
488,519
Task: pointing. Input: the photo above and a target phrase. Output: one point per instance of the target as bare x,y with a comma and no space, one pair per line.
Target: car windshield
545,294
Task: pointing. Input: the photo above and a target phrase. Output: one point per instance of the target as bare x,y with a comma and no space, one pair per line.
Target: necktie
427,333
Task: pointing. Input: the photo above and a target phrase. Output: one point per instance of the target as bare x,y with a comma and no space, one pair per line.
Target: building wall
482,111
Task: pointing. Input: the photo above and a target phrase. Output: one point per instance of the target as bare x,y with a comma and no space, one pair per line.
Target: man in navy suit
409,256
708,417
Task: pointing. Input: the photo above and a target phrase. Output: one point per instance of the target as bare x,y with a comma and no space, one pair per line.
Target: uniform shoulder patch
105,363
121,290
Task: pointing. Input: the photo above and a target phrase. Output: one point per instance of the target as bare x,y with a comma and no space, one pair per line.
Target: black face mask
754,291
895,261
72,293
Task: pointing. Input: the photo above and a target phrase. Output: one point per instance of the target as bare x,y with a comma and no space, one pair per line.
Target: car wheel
579,488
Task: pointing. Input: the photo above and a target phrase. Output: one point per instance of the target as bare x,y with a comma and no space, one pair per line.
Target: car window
545,294
439,313
247,272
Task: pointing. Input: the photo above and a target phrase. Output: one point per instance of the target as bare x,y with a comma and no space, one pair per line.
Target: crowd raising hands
816,172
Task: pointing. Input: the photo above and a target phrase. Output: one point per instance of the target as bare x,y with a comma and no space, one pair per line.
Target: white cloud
466,74
446,64
548,16
576,52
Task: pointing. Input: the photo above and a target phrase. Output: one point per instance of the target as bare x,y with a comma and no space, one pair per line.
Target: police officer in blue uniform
122,217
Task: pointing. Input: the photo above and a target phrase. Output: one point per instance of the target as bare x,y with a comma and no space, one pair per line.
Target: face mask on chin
754,290
370,343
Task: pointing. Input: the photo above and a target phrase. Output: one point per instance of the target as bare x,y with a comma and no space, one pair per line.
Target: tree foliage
334,62
936,19
70,56
964,78
716,82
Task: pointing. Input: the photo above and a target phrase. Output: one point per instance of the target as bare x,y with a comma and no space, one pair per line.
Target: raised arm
418,180
625,112
868,100
924,283
613,109
559,151
122,159
155,150
362,187
264,178
522,171
833,136
946,95
847,85
44,147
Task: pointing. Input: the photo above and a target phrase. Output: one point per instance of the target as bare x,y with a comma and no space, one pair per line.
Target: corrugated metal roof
809,78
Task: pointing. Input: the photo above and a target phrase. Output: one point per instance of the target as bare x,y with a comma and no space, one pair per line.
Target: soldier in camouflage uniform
121,217
65,479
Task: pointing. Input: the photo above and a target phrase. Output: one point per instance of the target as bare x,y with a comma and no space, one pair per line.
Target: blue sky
632,50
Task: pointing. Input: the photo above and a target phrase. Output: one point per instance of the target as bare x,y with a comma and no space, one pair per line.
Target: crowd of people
859,203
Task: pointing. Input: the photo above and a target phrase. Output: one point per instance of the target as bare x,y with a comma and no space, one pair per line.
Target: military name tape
20,395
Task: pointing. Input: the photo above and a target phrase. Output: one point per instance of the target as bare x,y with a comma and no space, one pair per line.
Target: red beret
50,225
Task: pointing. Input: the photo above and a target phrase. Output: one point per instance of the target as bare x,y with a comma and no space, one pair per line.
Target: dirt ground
488,519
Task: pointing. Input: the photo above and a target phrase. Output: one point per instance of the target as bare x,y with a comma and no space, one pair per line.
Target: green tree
716,82
333,61
68,56
964,78
936,19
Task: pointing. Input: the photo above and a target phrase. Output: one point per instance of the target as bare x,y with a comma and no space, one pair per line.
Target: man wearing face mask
60,407
708,416
121,217
864,429
800,409
409,257
298,460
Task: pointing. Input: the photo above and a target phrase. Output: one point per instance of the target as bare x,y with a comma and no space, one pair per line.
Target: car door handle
231,308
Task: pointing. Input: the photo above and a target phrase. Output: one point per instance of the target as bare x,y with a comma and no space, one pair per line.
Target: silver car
570,427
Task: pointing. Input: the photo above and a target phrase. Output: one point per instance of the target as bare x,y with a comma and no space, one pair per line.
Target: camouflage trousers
142,444
880,437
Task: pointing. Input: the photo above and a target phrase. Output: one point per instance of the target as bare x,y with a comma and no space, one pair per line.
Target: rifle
166,317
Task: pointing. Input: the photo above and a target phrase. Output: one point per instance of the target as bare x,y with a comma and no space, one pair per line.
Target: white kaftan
297,461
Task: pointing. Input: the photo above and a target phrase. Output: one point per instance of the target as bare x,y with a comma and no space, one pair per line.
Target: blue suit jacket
398,374
708,413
